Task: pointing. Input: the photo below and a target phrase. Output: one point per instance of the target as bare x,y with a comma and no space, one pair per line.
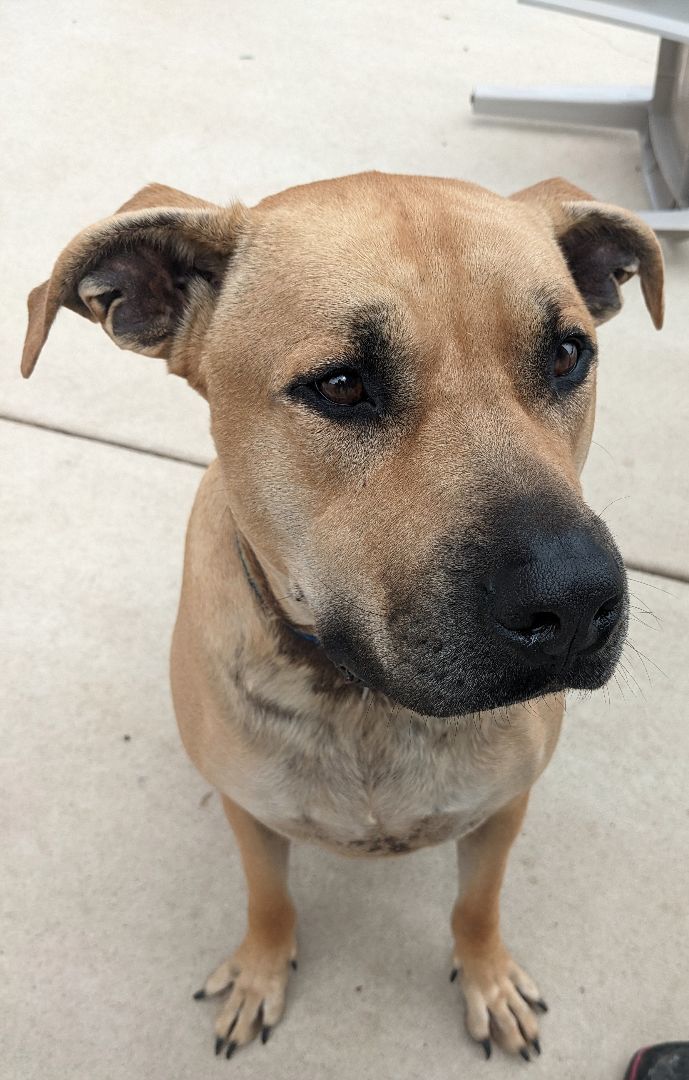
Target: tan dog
391,576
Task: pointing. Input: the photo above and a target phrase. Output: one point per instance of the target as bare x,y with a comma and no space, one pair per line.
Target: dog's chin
488,688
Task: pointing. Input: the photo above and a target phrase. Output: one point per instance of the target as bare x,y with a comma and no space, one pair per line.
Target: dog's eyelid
329,368
571,331
308,378
564,327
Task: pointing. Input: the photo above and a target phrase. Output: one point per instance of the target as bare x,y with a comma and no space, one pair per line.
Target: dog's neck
272,590
259,580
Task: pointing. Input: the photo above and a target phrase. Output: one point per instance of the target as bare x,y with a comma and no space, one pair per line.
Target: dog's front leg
500,998
256,974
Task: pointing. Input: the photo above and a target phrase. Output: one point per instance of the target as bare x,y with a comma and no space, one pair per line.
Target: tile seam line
654,569
197,463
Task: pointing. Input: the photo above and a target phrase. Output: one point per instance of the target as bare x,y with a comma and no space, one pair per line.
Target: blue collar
303,634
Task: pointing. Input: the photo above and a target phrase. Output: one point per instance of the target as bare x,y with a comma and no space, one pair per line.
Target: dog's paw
501,1000
254,982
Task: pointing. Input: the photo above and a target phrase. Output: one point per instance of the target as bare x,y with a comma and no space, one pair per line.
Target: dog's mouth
348,676
490,697
478,681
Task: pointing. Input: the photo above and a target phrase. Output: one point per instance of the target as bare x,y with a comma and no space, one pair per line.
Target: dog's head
401,380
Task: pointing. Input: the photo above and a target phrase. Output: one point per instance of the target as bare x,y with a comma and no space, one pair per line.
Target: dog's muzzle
497,622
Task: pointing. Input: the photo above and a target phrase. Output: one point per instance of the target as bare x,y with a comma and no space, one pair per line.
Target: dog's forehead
420,241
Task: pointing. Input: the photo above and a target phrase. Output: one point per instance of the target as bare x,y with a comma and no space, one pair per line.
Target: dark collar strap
303,634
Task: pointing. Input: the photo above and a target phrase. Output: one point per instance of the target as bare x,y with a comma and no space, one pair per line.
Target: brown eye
566,357
342,387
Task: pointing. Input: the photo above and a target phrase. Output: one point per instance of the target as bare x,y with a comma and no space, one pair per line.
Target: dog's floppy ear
150,275
603,245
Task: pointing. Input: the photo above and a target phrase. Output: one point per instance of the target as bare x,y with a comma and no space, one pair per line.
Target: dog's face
401,379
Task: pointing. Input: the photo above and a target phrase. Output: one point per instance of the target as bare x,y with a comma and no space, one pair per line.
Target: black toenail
231,1047
487,1047
199,995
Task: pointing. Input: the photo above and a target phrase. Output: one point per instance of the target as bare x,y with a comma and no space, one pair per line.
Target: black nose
564,598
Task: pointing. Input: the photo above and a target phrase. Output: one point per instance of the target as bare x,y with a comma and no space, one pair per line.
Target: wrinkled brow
376,340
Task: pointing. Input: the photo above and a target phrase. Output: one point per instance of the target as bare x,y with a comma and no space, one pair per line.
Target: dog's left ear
603,245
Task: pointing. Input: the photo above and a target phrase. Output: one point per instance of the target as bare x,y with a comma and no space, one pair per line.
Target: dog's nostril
533,623
607,612
541,620
607,608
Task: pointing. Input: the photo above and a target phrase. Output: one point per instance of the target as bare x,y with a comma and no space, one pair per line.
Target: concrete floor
122,887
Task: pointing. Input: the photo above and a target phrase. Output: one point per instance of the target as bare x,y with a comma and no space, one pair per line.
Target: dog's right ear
150,275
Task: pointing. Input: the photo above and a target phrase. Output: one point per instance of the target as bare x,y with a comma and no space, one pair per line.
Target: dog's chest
371,782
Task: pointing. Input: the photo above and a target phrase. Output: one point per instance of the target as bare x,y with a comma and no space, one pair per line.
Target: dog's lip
497,697
349,676
553,684
347,673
